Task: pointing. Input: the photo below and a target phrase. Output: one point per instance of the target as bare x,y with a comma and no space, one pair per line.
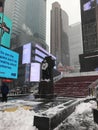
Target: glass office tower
59,34
29,20
89,21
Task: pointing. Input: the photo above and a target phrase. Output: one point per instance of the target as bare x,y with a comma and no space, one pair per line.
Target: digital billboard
8,63
38,52
45,53
38,59
5,30
35,72
26,55
87,6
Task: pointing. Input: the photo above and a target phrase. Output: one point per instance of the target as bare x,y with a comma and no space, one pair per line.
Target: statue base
45,90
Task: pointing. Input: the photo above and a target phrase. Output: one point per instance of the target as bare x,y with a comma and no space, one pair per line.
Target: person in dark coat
4,92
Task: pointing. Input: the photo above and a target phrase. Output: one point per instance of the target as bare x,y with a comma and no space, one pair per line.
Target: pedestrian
4,91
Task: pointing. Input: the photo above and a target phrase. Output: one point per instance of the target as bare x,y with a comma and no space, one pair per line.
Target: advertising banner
8,63
26,56
35,72
5,30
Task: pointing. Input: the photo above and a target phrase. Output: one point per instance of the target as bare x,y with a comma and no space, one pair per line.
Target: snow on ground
81,118
21,119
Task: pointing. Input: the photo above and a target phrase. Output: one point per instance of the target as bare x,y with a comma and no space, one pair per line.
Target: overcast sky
71,7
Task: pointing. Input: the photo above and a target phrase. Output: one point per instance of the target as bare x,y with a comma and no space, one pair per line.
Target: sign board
26,56
35,72
8,63
5,30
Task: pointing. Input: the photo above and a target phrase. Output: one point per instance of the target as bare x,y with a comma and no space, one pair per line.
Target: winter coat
4,89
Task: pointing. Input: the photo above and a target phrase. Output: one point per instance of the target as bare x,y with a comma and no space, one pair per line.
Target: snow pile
21,119
18,120
81,119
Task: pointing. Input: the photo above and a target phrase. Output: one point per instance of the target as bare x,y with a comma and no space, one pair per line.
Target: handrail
91,73
57,78
92,87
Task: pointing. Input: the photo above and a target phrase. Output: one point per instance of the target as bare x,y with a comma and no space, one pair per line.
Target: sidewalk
15,95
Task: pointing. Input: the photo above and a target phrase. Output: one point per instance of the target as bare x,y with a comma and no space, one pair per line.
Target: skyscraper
29,20
89,19
15,10
59,34
75,42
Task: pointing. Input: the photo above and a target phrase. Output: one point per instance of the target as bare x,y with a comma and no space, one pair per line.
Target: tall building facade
89,19
75,42
15,10
59,34
29,21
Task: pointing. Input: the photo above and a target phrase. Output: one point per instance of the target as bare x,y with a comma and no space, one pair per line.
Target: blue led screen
5,30
8,63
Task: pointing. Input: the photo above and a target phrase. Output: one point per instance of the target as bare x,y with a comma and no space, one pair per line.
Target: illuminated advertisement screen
87,6
37,58
35,72
5,30
26,56
40,53
45,52
8,63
